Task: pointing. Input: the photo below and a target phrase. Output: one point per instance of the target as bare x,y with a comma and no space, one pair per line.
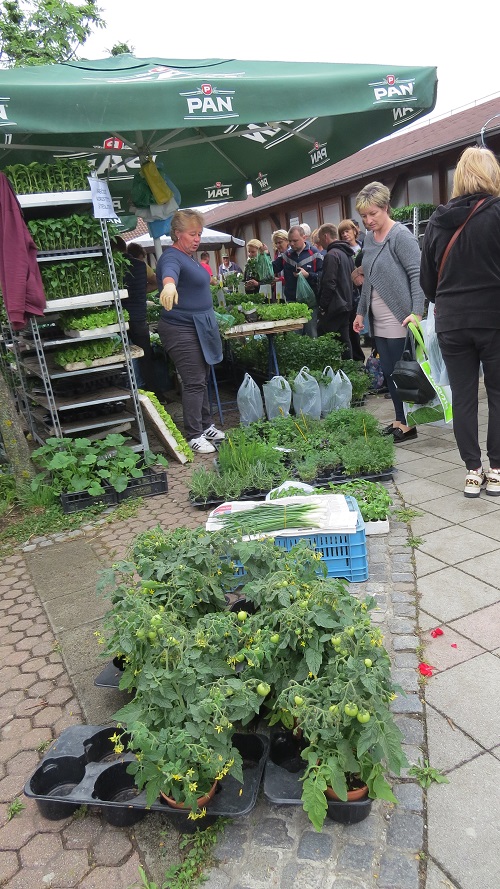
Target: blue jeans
390,351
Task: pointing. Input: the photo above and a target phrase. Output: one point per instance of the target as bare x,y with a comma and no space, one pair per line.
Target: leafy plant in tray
78,464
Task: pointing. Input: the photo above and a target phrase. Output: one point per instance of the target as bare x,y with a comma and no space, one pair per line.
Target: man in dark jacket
335,291
299,259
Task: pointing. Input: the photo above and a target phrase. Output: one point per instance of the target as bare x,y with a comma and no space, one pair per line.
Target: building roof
454,129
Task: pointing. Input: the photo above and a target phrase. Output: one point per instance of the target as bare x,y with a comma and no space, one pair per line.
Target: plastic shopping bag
249,401
306,395
328,391
373,366
277,397
343,393
305,293
436,360
439,407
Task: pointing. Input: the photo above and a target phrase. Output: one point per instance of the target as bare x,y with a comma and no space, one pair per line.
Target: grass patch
23,521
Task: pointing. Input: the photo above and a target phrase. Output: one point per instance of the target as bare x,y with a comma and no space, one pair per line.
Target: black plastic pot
81,768
282,785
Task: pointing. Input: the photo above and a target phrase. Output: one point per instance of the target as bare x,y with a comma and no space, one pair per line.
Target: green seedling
14,808
406,514
426,774
414,542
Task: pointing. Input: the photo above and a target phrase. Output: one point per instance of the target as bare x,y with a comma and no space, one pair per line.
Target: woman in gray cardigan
391,290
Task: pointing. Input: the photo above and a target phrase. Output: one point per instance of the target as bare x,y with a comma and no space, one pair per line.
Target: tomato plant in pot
350,734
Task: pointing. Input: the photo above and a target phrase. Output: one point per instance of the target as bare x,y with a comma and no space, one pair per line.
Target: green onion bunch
269,517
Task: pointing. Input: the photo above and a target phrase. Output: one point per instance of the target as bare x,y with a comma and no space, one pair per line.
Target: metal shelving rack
49,404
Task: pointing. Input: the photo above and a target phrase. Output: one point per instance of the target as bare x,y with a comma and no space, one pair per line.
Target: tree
40,32
119,48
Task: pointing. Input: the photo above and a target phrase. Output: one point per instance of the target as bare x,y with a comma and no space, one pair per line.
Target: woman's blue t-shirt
191,280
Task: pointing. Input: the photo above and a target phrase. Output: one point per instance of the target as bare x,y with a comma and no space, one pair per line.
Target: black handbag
409,378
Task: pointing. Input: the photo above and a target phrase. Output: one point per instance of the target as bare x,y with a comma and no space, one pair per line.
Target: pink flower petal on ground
426,669
454,645
436,632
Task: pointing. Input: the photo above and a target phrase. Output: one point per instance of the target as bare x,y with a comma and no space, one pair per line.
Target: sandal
474,480
493,482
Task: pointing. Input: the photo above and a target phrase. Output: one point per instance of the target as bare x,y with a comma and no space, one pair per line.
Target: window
420,190
311,218
331,212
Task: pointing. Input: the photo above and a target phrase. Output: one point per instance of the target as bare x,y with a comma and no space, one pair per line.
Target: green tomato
275,638
242,616
141,634
263,689
363,716
229,692
152,636
368,662
239,658
336,641
334,708
351,709
350,631
298,701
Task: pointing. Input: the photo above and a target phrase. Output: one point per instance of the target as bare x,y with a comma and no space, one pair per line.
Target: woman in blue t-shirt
188,328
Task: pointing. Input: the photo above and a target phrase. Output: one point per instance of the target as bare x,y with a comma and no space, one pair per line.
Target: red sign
390,79
206,89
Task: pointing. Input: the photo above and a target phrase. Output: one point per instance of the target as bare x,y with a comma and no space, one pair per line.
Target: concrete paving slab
463,824
489,525
496,752
426,523
75,609
456,544
98,704
448,746
459,508
428,446
465,693
425,564
451,593
63,568
436,879
486,568
451,456
449,649
426,621
431,466
483,626
422,491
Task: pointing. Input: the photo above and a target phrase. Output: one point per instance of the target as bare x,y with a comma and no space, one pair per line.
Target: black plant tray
282,785
152,482
78,500
81,768
110,676
217,501
385,475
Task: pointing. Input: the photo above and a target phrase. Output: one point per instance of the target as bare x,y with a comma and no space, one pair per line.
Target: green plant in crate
88,352
89,319
78,464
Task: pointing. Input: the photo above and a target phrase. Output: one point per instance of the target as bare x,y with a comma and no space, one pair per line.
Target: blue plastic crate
344,554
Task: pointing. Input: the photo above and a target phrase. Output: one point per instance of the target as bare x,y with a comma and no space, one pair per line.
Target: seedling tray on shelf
282,784
81,768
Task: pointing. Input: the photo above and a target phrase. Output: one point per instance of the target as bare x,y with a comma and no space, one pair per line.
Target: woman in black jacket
466,293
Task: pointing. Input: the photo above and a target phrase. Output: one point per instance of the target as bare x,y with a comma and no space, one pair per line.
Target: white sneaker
214,434
493,482
201,445
474,480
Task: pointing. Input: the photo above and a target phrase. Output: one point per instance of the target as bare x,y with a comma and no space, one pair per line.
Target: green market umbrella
214,124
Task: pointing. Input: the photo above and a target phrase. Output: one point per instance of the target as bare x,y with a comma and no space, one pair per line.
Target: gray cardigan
393,269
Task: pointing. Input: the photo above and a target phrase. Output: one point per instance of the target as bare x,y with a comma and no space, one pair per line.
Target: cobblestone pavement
49,612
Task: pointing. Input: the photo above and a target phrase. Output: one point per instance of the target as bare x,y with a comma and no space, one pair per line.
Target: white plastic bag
306,395
277,397
328,392
436,361
343,393
249,401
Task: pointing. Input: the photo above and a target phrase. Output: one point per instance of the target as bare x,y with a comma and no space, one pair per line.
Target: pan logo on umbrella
263,181
3,112
393,90
319,156
218,192
208,102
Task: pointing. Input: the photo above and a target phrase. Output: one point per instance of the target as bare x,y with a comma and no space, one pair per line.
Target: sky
430,32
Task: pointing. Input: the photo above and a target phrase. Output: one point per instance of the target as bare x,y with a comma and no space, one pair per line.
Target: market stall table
270,329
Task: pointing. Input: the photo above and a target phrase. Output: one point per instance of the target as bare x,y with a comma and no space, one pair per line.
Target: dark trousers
182,344
463,351
138,333
389,352
337,324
